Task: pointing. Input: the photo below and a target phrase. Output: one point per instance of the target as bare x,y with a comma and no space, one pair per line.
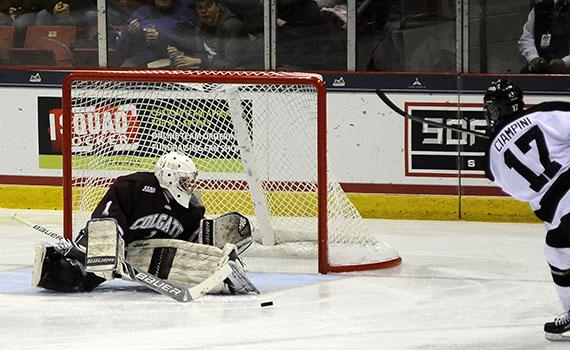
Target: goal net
259,141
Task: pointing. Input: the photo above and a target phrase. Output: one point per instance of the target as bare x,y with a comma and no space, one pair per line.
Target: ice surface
462,285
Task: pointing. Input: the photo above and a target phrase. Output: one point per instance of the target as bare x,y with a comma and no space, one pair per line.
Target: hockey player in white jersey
528,156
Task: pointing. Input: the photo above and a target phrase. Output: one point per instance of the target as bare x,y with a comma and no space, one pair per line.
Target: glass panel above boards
440,36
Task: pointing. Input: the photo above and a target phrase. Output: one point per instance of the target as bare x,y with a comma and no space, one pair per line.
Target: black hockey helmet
502,99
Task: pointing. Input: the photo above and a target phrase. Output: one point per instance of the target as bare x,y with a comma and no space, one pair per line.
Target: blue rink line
19,282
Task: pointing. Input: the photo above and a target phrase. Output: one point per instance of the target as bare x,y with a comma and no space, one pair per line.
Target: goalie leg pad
175,260
53,271
191,263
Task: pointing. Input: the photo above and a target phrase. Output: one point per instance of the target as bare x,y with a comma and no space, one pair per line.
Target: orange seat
35,35
53,40
89,57
23,56
85,57
6,42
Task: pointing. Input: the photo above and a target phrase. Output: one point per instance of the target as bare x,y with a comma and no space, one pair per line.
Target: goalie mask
176,173
502,100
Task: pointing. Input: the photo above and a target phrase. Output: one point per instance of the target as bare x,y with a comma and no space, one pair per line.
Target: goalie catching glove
231,228
190,263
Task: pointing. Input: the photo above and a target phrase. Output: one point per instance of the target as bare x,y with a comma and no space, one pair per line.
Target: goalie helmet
176,173
502,100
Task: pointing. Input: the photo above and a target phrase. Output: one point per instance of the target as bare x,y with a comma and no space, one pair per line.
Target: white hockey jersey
529,158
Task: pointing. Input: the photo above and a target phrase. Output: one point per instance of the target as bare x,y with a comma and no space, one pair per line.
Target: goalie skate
237,282
559,329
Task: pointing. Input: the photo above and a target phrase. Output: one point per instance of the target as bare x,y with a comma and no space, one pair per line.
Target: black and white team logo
149,189
159,222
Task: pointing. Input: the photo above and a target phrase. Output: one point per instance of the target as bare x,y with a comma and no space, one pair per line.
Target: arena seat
53,41
6,42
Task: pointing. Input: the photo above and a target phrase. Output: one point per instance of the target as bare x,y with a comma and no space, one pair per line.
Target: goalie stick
401,112
178,293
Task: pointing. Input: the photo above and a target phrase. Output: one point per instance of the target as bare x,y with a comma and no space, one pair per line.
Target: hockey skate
237,282
559,329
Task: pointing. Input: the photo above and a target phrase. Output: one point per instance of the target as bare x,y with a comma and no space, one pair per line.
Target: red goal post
259,140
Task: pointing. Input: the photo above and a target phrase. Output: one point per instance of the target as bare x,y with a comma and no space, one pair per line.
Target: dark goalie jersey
529,158
142,210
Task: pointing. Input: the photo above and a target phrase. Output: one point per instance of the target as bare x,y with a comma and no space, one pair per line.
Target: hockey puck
267,303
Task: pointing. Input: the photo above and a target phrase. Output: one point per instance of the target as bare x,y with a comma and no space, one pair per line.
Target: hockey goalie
156,222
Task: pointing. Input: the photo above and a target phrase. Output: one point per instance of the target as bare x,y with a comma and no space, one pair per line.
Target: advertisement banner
50,117
435,151
137,127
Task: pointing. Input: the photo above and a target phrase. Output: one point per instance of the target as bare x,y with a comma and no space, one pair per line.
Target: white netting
253,142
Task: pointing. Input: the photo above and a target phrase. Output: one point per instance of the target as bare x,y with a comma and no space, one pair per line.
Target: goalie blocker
105,247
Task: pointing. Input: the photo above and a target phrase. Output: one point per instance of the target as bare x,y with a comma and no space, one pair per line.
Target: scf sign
445,152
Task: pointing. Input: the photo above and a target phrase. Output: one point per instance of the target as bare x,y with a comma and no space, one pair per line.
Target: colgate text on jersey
161,222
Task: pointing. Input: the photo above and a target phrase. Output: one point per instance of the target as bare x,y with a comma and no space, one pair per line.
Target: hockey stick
178,293
398,110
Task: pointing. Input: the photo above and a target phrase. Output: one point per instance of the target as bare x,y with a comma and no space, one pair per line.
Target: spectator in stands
151,29
334,10
11,10
21,14
129,6
305,40
240,8
116,14
62,12
376,50
254,50
220,39
545,40
117,11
